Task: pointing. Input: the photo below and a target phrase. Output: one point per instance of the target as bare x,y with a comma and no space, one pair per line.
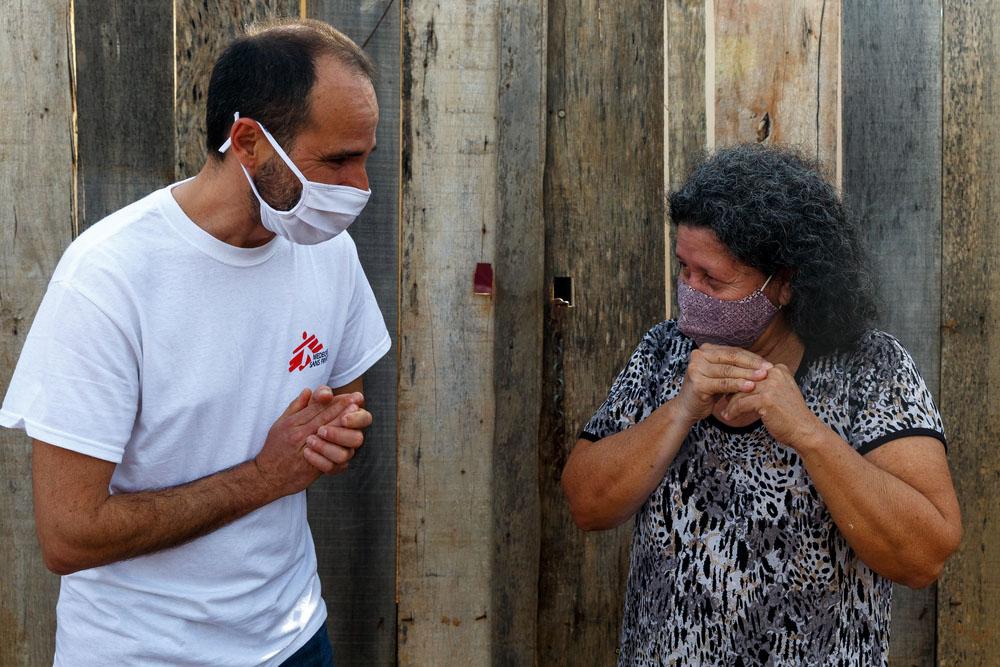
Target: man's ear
248,144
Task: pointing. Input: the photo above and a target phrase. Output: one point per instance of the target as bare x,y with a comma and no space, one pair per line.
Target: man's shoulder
108,244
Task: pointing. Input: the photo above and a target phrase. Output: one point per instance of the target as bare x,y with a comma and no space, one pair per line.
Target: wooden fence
540,137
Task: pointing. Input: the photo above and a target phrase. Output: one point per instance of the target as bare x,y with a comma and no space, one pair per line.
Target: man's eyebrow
330,157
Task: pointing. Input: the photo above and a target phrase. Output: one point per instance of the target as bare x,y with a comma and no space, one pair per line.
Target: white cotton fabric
164,350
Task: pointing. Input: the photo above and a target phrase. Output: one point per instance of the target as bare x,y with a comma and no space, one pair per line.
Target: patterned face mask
706,319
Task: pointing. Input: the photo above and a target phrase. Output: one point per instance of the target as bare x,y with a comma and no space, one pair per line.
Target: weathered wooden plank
517,350
353,517
685,88
892,183
124,101
968,623
36,224
446,393
604,228
203,29
775,69
684,115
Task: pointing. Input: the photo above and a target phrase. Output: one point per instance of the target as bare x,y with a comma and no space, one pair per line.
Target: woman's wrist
675,421
676,413
811,436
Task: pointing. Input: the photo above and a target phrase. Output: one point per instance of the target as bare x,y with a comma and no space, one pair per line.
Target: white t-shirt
164,350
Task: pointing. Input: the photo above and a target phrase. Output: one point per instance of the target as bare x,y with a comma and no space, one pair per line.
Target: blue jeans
316,652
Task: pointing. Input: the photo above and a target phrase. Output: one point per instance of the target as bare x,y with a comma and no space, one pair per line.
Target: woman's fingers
721,386
742,404
715,371
731,356
733,372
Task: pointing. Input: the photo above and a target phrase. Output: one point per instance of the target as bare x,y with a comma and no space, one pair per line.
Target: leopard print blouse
735,559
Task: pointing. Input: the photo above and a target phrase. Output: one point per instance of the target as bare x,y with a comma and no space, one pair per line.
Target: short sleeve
76,384
365,339
889,399
632,395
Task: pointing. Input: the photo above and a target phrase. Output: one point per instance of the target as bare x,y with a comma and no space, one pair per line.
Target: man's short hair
268,73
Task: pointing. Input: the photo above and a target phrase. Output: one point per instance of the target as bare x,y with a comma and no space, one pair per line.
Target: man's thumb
298,403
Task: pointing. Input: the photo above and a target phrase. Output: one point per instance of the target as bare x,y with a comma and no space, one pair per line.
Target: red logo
309,353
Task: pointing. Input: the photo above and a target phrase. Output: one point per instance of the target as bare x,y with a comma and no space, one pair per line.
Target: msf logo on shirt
309,353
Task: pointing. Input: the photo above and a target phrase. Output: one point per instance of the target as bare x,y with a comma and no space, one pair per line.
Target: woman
784,461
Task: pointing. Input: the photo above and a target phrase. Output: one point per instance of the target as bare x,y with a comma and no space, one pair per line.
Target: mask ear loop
274,144
281,153
761,290
229,140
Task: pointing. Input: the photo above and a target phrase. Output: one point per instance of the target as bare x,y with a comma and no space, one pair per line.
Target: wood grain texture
775,67
892,184
203,30
684,116
969,590
604,228
446,388
36,225
517,349
685,88
124,101
353,517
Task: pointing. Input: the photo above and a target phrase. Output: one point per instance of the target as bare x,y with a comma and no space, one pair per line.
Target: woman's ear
784,280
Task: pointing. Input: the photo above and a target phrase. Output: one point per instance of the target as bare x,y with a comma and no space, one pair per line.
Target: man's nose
357,177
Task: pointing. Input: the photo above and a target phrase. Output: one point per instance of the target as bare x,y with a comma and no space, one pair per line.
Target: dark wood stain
520,296
892,185
353,516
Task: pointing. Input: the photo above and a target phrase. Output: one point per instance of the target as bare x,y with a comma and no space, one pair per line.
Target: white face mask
322,212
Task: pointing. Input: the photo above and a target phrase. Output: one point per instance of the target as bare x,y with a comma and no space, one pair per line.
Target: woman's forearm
892,527
607,481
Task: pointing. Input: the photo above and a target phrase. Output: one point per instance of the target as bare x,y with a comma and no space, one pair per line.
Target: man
168,473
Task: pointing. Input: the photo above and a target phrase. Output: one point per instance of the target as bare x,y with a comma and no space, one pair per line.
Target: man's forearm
126,525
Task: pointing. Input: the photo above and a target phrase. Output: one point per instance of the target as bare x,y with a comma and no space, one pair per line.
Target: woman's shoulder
666,341
879,348
663,351
878,356
872,346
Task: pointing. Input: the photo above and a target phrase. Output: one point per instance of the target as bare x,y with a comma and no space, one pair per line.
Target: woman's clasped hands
740,387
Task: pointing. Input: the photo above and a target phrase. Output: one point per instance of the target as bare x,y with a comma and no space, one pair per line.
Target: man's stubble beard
277,185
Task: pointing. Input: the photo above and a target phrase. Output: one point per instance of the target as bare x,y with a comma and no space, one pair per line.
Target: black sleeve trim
590,437
872,445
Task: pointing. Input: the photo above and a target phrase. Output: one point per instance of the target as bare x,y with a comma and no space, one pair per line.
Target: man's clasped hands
318,433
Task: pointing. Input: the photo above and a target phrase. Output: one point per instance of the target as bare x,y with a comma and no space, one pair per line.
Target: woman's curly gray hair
773,210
